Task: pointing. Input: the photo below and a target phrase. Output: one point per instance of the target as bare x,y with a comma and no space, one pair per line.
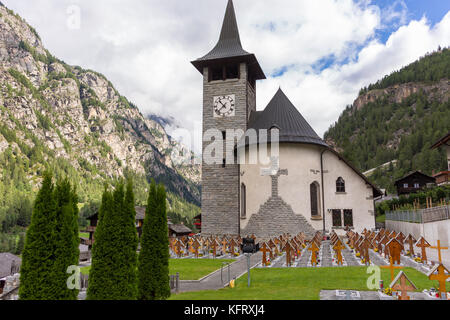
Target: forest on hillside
384,130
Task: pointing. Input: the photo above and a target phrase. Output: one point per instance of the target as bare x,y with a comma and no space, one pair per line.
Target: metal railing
420,215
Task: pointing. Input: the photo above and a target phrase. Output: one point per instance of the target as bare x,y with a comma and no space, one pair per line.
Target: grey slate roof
179,228
6,261
140,213
229,46
281,113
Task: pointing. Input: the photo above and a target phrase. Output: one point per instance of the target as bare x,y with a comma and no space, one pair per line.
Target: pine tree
153,270
37,281
113,271
67,251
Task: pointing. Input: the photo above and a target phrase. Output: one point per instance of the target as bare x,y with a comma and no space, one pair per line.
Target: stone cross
274,172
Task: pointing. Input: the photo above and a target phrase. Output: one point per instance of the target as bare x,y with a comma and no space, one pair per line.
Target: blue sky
320,52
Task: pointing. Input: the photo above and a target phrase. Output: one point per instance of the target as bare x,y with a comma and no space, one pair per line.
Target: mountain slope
398,118
75,122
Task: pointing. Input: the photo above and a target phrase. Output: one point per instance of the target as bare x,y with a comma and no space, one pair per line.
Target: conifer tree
153,266
113,271
67,251
37,281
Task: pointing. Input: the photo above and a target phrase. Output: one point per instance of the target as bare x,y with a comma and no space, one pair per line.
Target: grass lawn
83,235
300,284
381,218
195,269
189,269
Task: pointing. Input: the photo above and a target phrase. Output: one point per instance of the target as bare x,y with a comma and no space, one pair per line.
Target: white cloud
145,47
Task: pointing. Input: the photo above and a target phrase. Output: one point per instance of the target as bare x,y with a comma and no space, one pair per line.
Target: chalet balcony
90,229
86,242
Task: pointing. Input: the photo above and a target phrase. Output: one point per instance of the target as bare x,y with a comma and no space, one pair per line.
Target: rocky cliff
55,114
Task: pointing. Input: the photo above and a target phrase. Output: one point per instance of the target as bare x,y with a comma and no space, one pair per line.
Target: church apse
275,216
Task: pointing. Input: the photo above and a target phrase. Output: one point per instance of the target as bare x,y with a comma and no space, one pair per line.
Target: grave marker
423,244
403,284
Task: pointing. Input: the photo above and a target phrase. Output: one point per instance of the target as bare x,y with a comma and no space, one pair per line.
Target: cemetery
322,267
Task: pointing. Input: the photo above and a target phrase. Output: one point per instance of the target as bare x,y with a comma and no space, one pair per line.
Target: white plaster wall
303,164
432,232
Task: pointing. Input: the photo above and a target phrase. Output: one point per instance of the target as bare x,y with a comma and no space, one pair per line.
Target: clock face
224,106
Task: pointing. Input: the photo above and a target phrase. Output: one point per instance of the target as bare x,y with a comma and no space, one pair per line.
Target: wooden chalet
413,182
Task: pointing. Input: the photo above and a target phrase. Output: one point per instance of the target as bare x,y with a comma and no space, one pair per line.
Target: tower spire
229,46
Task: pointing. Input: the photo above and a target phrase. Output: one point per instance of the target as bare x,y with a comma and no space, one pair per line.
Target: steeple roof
229,47
281,113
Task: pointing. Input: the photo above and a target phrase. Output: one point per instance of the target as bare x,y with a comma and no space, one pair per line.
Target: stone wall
220,186
432,232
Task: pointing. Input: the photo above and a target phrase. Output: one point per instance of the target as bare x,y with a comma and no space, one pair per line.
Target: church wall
303,164
358,194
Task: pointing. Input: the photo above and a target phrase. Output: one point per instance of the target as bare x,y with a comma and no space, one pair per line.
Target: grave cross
274,172
287,248
395,247
314,249
264,250
441,277
411,242
403,284
422,243
391,267
195,246
439,248
338,247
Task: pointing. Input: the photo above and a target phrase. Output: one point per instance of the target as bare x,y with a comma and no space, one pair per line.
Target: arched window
243,201
340,185
315,199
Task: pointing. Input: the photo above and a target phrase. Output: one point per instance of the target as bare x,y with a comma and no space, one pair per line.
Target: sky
320,52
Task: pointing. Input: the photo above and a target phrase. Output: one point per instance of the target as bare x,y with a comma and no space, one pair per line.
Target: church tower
229,96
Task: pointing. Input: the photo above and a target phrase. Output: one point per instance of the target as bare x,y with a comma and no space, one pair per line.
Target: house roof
441,141
229,47
140,213
415,173
179,228
6,261
282,114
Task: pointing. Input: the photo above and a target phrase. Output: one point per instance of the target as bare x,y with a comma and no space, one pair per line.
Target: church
308,187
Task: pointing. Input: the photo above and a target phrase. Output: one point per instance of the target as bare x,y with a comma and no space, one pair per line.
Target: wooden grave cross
287,248
196,245
314,249
395,247
423,244
232,245
391,267
224,245
410,239
401,237
178,245
440,276
264,248
439,248
338,247
365,245
403,284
